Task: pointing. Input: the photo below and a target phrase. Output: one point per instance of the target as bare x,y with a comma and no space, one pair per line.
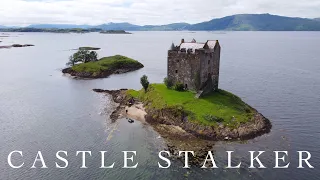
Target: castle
196,65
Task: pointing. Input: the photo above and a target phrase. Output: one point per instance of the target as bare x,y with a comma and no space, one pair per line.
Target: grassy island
185,121
115,32
219,115
211,110
104,67
106,63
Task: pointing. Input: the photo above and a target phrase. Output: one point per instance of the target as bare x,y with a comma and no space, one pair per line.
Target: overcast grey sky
25,12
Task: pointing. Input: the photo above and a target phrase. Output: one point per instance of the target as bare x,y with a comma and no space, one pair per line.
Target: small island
89,48
188,123
16,45
219,115
115,32
85,64
189,110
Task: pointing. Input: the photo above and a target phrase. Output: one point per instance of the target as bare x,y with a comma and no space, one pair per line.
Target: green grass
106,63
220,105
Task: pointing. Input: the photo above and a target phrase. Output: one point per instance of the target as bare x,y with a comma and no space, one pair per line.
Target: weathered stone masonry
196,65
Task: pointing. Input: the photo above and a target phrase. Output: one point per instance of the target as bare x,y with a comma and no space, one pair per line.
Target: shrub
144,82
179,87
212,118
168,82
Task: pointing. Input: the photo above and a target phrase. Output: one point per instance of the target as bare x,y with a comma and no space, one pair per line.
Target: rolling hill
240,22
258,22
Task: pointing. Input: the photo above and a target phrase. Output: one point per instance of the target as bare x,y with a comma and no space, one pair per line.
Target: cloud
25,12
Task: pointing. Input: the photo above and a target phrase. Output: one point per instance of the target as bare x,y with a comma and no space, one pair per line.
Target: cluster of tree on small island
82,56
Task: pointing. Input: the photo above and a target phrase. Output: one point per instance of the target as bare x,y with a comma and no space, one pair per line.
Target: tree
71,61
83,56
93,56
144,82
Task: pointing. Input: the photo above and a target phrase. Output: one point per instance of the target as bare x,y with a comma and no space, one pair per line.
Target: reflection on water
40,109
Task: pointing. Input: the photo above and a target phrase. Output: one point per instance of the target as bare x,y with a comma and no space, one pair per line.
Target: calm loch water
278,73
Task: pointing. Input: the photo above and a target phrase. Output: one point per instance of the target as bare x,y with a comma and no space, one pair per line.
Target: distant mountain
119,26
258,22
240,22
58,26
1,27
168,27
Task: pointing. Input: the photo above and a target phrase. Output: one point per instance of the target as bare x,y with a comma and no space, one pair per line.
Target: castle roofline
210,44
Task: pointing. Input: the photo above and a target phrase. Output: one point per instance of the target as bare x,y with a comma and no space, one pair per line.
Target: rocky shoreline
103,74
185,135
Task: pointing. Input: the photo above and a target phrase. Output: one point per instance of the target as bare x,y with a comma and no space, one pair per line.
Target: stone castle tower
196,65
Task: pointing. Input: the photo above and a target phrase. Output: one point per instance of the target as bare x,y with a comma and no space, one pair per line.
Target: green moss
106,63
217,107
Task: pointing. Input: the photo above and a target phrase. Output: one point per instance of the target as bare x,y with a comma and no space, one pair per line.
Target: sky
143,12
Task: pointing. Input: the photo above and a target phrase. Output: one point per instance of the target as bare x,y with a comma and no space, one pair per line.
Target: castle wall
210,61
216,67
182,67
198,70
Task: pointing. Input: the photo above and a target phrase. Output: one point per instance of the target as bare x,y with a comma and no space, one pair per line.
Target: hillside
58,26
168,27
258,22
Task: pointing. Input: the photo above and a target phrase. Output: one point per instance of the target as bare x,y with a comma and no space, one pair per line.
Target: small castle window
209,62
176,71
178,60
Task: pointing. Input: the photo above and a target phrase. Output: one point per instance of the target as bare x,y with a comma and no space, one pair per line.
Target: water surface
277,73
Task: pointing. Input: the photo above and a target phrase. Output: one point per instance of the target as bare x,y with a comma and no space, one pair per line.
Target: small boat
130,120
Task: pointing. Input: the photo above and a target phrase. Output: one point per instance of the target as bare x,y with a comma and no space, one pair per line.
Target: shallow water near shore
42,110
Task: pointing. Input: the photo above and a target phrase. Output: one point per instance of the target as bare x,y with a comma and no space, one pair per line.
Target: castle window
178,60
176,71
211,55
209,62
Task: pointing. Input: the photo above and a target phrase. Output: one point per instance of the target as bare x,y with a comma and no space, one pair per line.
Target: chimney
182,41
